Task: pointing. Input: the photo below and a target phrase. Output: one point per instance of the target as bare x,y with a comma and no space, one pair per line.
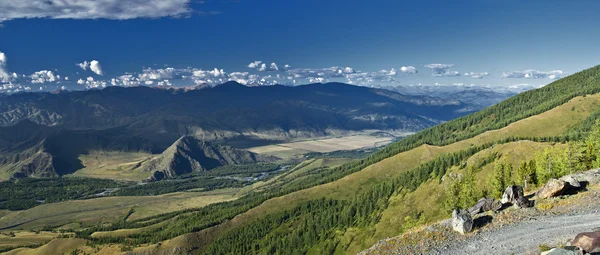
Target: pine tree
470,193
497,183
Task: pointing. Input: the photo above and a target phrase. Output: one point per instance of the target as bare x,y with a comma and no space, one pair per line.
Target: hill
372,198
188,154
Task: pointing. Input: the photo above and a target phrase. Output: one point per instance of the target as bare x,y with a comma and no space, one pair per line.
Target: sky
82,44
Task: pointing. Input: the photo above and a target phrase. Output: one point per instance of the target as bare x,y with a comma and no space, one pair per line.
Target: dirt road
526,236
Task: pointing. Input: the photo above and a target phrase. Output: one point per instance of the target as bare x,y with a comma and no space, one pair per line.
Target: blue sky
181,42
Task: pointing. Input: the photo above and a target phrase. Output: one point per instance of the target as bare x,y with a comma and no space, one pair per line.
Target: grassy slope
112,165
56,246
108,209
23,238
302,168
553,122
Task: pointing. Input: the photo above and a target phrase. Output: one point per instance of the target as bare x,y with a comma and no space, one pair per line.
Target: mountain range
42,134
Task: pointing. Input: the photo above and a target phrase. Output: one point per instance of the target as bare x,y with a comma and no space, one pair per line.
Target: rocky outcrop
485,205
462,221
588,241
552,188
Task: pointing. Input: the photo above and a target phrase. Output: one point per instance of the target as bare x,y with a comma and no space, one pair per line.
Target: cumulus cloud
255,64
534,74
264,67
441,70
477,75
96,67
93,9
91,83
4,75
44,76
157,74
84,65
409,69
93,65
367,78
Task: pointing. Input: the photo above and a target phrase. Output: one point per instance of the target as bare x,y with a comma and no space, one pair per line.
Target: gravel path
526,236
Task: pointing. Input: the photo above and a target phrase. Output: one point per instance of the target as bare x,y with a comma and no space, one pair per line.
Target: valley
210,198
233,127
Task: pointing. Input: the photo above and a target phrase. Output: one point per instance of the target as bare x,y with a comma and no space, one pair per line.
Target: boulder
523,202
484,205
462,221
591,177
511,194
571,181
552,188
588,241
567,250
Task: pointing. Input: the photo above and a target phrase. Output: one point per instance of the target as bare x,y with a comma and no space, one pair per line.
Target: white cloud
44,76
477,75
96,67
271,68
91,83
263,67
409,69
441,70
534,74
93,65
367,78
84,65
157,74
4,76
164,83
254,64
93,9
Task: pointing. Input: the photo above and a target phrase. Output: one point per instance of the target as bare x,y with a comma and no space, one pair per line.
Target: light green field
293,149
113,165
23,238
107,209
56,246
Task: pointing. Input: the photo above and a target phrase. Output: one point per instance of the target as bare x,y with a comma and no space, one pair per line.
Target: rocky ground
552,222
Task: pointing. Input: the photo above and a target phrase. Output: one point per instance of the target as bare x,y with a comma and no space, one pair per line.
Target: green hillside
319,208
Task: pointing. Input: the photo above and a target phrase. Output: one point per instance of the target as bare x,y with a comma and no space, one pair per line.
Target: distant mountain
477,97
231,109
189,154
58,127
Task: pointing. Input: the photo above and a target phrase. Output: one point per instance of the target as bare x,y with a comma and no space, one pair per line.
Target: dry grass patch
113,165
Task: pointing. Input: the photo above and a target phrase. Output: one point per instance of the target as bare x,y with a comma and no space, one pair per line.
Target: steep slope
409,166
189,154
30,149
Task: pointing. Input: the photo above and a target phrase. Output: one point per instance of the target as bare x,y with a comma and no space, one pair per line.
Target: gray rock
523,202
462,221
592,176
571,181
588,241
552,188
511,194
484,205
